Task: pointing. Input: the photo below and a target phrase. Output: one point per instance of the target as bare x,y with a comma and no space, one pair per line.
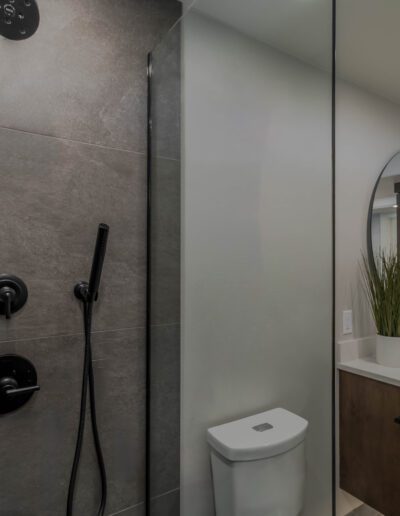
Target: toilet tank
258,465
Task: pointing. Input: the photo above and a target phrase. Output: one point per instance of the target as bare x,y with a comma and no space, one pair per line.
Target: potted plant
382,286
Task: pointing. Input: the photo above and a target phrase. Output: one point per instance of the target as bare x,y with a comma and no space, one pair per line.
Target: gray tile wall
165,284
72,154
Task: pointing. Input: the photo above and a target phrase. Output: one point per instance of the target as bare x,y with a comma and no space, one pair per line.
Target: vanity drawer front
370,442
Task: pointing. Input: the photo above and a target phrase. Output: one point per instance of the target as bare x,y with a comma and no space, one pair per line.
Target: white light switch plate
347,322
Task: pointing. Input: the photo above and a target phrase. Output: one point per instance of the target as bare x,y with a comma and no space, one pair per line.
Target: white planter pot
388,351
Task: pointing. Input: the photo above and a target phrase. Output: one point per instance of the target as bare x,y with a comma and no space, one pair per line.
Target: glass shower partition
240,239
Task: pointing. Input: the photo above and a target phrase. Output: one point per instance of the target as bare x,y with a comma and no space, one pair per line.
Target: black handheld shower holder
88,292
81,291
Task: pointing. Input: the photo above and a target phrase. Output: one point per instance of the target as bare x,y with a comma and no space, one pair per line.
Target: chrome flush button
263,427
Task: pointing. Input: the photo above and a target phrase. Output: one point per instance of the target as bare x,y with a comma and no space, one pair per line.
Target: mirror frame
370,251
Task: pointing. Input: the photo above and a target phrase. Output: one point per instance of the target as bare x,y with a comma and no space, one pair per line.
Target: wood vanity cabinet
370,442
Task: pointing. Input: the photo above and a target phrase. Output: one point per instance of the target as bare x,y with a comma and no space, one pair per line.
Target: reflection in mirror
384,216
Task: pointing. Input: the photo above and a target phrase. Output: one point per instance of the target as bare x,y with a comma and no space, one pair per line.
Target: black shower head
19,19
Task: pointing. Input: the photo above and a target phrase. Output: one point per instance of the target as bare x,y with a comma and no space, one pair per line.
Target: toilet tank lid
258,437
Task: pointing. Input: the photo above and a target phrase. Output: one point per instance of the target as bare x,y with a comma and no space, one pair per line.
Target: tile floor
364,510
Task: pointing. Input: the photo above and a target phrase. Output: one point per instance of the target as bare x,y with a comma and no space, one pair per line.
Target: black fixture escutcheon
13,294
18,382
19,19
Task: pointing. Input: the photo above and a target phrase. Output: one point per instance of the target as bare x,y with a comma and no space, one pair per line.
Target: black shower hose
88,379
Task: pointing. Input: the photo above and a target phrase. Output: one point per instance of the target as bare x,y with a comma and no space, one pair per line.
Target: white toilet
258,465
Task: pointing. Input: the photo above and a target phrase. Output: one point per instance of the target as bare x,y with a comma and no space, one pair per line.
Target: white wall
256,298
256,240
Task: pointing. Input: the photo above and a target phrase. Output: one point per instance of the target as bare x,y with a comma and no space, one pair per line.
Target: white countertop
368,367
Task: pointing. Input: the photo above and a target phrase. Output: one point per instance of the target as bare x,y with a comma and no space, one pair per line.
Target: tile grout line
76,334
166,493
71,140
79,333
127,509
142,503
90,144
167,158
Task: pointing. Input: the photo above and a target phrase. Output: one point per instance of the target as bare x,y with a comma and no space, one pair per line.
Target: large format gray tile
166,96
165,242
165,409
83,74
166,505
119,369
37,442
55,193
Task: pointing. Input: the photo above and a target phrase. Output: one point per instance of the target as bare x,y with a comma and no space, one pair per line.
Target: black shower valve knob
9,387
7,297
18,382
13,294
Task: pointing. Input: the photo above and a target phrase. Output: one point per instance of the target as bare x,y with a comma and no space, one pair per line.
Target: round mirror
384,213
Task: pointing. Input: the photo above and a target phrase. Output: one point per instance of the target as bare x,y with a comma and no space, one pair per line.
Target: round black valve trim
19,19
18,382
13,294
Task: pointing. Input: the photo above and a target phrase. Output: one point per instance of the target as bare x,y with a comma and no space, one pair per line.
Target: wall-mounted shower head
19,19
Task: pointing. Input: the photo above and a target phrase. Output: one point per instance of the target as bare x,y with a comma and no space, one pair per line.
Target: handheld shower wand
88,293
98,260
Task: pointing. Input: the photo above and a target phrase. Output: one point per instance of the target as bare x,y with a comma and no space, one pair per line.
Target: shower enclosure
73,154
240,242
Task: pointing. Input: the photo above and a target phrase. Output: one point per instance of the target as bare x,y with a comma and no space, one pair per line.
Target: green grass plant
382,286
